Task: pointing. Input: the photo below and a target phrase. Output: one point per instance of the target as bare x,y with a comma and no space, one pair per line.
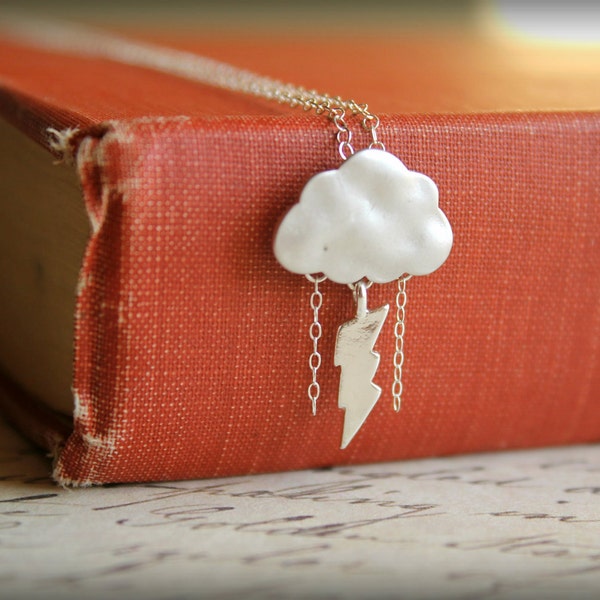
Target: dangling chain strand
315,332
399,328
344,134
370,124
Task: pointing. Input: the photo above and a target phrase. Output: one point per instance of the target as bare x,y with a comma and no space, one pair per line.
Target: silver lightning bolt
354,353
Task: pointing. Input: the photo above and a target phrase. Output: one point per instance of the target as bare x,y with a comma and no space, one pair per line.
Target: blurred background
574,21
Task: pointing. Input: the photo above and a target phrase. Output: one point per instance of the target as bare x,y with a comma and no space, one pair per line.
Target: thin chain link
315,332
344,135
399,329
370,124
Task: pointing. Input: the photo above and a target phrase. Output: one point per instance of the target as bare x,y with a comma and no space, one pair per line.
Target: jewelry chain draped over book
370,221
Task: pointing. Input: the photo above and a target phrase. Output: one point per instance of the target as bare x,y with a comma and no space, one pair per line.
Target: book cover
190,342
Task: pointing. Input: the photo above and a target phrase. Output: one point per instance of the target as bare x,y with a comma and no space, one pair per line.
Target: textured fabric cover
192,343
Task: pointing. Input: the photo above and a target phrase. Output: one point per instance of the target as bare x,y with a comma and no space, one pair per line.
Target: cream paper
499,526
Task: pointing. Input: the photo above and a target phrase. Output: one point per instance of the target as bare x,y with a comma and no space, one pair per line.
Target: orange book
190,344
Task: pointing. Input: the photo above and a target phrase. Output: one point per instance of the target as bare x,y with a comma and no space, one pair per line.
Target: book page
500,526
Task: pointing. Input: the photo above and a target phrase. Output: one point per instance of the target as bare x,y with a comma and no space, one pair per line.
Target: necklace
369,221
372,220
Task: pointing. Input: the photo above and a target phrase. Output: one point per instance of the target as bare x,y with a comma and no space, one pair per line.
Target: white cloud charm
371,218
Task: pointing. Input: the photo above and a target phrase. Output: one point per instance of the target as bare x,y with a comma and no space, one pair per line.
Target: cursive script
498,526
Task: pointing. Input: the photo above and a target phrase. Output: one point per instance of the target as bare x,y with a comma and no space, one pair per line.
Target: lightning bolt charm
354,353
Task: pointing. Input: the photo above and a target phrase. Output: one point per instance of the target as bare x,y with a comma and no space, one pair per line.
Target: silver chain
68,38
344,135
315,332
399,329
83,40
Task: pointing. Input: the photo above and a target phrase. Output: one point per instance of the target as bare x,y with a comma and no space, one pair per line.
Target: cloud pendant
370,218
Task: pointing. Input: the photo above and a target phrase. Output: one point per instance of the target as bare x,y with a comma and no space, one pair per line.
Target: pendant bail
359,290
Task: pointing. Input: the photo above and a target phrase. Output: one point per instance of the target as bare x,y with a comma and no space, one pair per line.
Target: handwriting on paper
489,526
